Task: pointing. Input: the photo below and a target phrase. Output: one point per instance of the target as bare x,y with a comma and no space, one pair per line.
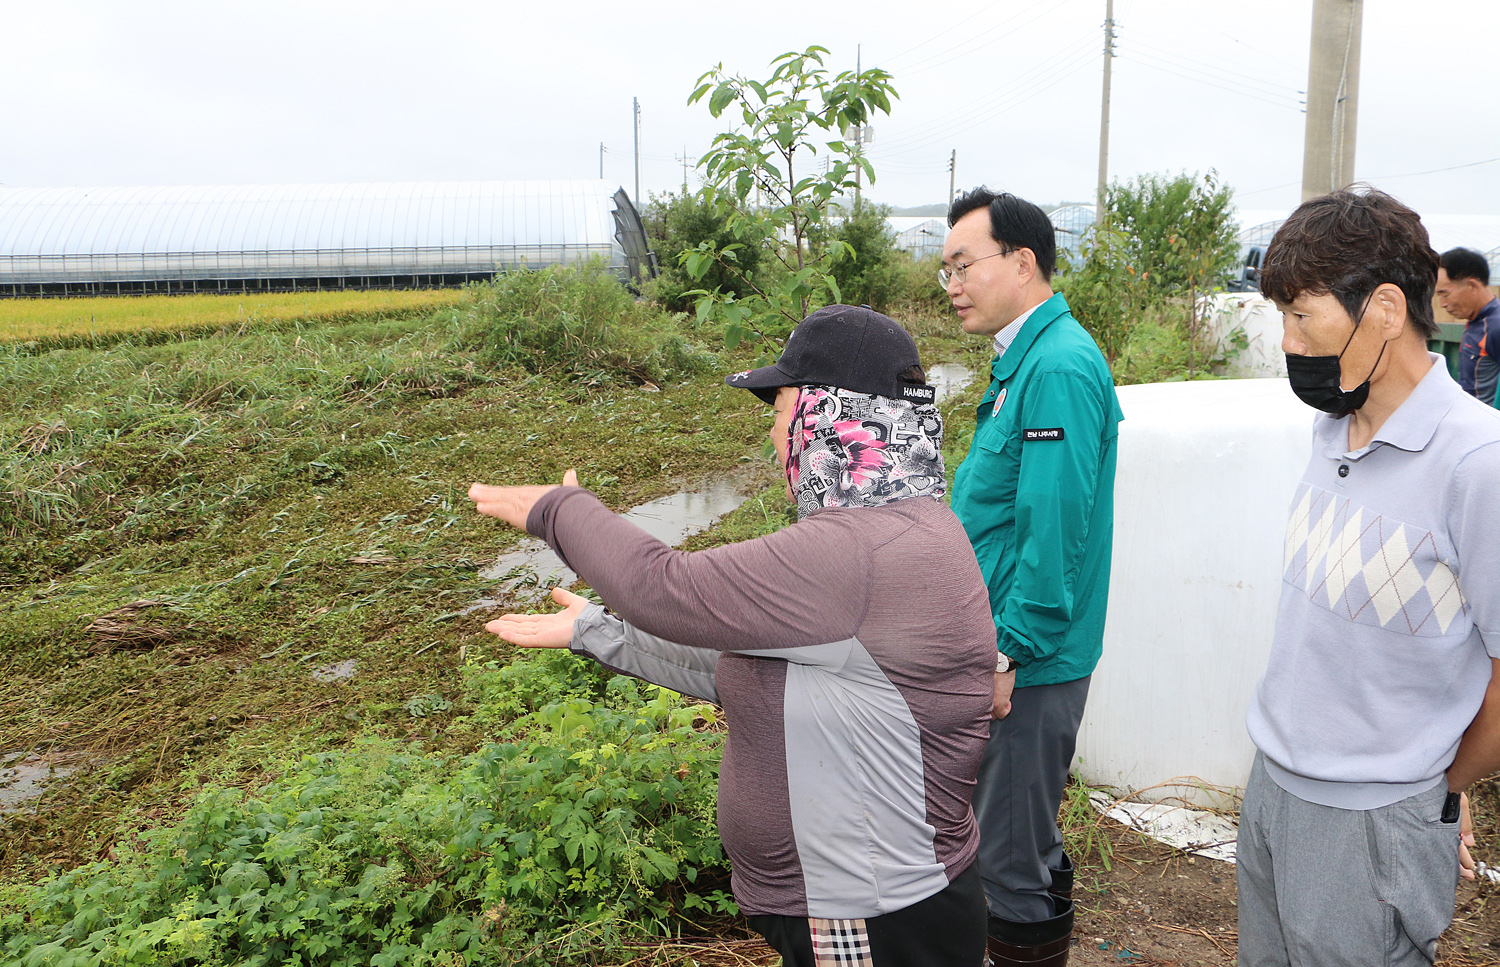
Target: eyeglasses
960,268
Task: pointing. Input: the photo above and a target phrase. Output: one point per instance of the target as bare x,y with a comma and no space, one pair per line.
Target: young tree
766,176
1182,233
1181,230
1163,238
867,272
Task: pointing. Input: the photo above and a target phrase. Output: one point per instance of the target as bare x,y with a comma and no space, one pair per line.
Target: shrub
578,320
866,272
676,223
591,821
1164,243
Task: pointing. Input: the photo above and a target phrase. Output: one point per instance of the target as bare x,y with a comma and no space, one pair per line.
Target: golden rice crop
67,321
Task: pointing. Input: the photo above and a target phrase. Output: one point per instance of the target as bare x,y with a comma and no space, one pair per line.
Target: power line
1018,97
944,32
1434,171
1373,178
1177,58
1204,79
941,58
942,124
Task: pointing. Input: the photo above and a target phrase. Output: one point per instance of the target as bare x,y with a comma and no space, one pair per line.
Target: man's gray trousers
1320,886
1020,787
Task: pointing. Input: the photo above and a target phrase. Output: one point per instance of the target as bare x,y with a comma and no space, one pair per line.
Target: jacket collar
1041,317
1413,424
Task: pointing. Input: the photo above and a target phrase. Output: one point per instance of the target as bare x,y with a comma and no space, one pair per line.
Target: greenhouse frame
106,241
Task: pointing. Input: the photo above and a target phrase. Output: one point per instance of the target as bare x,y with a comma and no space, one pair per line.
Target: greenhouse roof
241,218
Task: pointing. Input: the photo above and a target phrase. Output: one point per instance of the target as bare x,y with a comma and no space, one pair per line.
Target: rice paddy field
53,323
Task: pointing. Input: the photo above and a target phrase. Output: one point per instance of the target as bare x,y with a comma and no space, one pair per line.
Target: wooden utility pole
1332,97
1109,55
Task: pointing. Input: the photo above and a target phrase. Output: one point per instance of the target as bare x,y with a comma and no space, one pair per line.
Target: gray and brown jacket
854,656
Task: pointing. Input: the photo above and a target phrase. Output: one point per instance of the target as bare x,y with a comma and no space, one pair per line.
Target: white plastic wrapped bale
1202,491
1235,316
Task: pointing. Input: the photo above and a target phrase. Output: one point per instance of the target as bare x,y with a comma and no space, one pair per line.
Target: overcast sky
157,92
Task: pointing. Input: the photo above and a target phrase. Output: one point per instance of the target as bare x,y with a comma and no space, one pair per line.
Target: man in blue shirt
1380,703
1463,290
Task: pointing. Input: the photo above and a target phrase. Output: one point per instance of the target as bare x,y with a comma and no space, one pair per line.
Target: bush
593,820
579,320
676,223
867,273
1164,243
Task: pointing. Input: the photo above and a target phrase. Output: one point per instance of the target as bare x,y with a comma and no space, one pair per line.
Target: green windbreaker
1036,496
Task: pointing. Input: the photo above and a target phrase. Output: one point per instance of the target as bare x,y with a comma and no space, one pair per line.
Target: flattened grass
192,527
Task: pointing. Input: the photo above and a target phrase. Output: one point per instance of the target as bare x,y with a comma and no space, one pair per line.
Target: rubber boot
1062,879
1043,943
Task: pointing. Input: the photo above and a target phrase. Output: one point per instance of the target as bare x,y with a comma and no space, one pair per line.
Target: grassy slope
286,499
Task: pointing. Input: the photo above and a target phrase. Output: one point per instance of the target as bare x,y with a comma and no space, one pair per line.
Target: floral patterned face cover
850,449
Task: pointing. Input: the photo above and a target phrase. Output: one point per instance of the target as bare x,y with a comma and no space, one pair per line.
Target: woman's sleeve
621,648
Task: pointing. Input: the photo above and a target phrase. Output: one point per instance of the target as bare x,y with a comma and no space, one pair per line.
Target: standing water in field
949,378
23,778
669,519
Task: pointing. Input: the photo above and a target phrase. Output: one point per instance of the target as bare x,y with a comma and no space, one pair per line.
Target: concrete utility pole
1332,97
952,169
635,104
1109,55
859,131
601,160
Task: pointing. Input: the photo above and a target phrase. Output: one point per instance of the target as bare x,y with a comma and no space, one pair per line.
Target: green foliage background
1165,242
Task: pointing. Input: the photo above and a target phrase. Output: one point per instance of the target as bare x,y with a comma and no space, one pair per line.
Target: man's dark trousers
1020,785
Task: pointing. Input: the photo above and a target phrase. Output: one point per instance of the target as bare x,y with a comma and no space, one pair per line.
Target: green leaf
721,98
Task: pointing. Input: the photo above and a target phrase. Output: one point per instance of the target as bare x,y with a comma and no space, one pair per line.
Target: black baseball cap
850,347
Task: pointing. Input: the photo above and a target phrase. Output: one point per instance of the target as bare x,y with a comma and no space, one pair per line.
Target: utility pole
1332,97
952,168
859,131
601,160
1109,55
684,160
635,104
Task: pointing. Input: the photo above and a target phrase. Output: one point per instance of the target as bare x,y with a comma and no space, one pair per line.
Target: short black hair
1465,263
1347,244
1014,223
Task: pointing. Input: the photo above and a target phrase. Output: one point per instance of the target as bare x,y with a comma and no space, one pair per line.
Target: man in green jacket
1036,497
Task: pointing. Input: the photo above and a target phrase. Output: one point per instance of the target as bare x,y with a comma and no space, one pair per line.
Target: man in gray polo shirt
1381,700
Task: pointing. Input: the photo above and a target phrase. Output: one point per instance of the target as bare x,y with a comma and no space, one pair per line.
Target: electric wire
1044,72
942,58
1252,82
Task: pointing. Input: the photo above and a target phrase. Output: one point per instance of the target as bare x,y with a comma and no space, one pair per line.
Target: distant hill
922,211
938,211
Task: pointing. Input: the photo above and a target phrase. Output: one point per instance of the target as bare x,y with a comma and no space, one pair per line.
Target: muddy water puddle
25,777
670,520
949,378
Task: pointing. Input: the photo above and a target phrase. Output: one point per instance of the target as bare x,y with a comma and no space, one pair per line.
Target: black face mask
1318,380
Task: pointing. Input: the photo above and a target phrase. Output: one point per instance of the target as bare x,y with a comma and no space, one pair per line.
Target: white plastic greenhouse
211,238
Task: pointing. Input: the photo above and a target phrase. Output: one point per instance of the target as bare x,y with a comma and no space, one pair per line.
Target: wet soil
1156,905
